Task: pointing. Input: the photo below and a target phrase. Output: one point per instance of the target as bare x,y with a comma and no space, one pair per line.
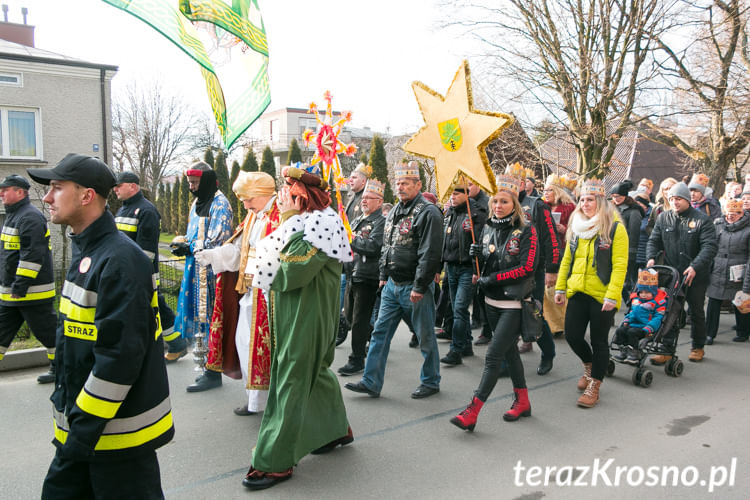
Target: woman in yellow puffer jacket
591,280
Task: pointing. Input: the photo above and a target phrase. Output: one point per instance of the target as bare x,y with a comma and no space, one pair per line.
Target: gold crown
593,187
734,206
406,170
375,187
701,179
562,181
363,169
648,278
511,178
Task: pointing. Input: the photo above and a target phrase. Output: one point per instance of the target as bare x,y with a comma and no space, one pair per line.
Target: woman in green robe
300,263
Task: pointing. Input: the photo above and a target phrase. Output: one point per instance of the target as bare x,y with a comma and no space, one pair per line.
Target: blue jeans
394,302
462,293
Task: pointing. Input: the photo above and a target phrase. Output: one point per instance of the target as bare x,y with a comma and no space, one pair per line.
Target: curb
24,358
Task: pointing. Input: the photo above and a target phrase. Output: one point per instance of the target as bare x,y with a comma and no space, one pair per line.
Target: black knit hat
622,188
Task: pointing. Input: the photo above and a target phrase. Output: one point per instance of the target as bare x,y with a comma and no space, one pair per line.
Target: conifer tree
185,199
380,166
295,154
208,157
267,164
222,173
236,203
363,158
250,164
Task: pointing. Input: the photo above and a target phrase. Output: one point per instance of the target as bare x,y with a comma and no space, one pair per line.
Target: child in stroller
647,309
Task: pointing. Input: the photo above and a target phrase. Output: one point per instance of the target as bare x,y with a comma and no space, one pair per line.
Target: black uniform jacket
140,220
412,243
367,244
111,397
25,257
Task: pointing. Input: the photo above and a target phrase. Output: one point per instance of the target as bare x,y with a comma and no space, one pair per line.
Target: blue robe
213,230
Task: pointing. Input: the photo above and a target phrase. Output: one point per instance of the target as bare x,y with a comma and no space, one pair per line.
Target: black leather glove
475,250
486,282
179,249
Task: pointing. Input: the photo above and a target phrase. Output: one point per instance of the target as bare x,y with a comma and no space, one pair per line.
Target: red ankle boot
520,408
467,419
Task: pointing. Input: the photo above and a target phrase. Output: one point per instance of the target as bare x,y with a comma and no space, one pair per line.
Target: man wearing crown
699,198
239,343
364,273
410,260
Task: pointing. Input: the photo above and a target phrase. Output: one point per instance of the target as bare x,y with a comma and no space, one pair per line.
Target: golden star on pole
455,134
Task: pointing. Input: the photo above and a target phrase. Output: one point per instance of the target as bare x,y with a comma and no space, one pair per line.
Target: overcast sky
366,53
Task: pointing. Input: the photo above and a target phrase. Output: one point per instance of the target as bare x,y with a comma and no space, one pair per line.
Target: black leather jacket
458,233
367,243
509,255
412,243
538,213
686,239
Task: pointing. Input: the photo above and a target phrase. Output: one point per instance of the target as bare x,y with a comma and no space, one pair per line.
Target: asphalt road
690,428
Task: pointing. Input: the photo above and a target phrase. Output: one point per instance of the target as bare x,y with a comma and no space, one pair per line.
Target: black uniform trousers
359,303
136,477
41,319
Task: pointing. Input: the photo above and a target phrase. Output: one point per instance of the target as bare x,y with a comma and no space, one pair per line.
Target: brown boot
660,359
583,382
590,396
696,355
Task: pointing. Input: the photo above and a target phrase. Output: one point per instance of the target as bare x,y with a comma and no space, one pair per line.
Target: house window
20,133
11,79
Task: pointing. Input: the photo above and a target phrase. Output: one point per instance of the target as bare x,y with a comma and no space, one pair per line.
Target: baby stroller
664,340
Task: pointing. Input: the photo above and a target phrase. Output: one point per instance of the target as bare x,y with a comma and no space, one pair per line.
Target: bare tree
148,131
575,58
709,117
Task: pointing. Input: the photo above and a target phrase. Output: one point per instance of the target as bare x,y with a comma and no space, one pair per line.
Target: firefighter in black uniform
111,401
140,220
27,285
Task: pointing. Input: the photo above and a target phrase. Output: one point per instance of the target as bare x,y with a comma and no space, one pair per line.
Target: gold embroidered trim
299,258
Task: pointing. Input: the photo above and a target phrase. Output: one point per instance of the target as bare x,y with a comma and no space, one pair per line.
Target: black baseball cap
86,171
127,176
15,181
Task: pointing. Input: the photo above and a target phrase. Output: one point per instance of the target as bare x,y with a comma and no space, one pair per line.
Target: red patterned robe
222,355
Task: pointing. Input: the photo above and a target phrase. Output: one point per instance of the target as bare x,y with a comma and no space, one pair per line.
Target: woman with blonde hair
556,195
591,277
662,202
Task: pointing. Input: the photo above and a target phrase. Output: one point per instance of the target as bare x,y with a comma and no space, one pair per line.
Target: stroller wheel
637,376
646,378
610,368
677,368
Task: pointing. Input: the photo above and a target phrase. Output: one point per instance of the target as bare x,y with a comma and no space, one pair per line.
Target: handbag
531,320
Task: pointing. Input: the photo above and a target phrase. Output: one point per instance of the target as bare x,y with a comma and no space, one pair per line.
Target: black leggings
585,311
504,345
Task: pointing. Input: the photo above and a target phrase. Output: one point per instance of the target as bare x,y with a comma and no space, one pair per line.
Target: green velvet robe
305,408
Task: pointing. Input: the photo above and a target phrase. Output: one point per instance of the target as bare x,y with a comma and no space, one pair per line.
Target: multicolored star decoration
455,134
328,147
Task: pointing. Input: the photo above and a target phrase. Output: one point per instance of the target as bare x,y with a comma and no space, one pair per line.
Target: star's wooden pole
471,222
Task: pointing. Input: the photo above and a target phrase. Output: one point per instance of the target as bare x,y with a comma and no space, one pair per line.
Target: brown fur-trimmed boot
583,382
590,396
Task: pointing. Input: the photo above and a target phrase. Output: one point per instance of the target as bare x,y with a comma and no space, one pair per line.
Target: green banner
228,40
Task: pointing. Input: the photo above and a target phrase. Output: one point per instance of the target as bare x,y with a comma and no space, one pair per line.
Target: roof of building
19,52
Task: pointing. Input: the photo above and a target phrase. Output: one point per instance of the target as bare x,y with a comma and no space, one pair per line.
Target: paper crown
511,178
734,206
701,179
406,170
594,187
308,174
562,181
363,169
648,277
375,187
